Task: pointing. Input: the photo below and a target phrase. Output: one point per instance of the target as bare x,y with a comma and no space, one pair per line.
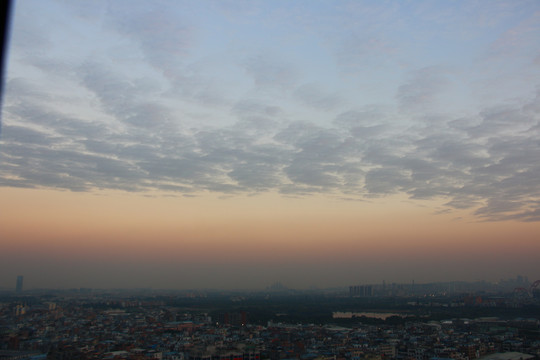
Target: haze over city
233,144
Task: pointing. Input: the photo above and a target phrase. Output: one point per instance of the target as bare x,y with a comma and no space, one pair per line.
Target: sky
232,144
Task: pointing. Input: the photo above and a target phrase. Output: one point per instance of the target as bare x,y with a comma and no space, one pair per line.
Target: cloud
361,50
132,102
387,180
519,38
25,135
255,175
312,95
422,88
321,158
474,163
269,73
177,117
254,107
502,120
162,36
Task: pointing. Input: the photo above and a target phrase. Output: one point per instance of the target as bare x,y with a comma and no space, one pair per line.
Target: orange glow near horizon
266,228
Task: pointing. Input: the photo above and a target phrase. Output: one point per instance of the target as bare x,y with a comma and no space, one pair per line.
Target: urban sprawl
89,324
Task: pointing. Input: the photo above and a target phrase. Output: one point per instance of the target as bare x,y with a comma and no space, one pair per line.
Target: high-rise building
361,290
19,286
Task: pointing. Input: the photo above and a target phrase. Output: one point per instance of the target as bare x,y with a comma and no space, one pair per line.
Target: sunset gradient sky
233,144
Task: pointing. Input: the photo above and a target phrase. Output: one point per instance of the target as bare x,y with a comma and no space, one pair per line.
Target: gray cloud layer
134,138
489,163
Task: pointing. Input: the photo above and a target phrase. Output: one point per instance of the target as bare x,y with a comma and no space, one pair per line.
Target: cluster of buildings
520,285
134,330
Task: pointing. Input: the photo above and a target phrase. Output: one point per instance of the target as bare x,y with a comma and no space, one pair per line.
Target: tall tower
19,286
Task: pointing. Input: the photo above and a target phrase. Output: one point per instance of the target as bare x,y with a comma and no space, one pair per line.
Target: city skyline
232,144
509,286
